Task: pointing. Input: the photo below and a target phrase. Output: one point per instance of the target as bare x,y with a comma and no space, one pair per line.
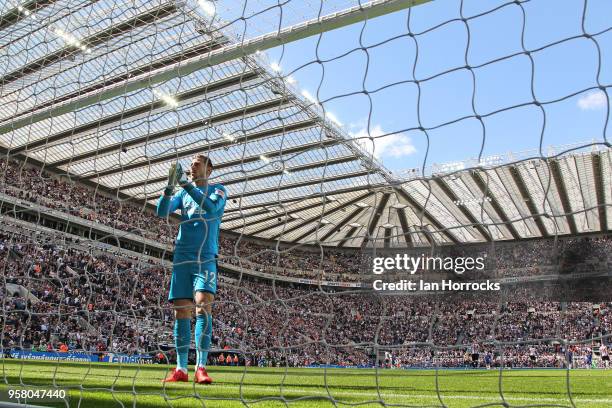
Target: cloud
592,100
357,125
394,145
333,118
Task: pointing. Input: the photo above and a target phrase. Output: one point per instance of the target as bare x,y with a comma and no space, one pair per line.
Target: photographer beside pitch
194,268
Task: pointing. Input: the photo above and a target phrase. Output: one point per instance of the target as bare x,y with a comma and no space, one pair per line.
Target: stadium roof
113,95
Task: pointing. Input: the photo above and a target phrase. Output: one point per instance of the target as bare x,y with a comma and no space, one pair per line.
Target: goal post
227,53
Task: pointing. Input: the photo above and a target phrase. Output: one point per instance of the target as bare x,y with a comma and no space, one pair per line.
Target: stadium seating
100,303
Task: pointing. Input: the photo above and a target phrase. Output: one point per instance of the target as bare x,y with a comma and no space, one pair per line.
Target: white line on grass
374,395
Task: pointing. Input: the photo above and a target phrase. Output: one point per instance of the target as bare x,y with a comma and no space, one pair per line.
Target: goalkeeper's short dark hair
206,160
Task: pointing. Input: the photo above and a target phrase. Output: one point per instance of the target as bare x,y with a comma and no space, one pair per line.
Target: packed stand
41,187
102,303
502,260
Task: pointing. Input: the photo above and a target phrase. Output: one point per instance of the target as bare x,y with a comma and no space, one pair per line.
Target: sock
182,340
203,335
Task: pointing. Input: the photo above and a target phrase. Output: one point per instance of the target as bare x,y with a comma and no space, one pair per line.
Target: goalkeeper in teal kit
194,270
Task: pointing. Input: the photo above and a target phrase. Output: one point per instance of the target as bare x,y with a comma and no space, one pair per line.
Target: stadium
306,203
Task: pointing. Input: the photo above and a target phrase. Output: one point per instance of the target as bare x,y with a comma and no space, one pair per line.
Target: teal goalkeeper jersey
201,212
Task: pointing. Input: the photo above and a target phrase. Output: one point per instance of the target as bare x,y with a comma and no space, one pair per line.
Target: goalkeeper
194,267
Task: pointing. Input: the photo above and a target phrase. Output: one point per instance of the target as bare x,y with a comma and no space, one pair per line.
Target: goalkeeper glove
175,175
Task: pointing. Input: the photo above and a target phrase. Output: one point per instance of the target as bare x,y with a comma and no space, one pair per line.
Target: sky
379,56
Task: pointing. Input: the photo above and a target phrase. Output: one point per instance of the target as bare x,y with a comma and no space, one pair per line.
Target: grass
113,385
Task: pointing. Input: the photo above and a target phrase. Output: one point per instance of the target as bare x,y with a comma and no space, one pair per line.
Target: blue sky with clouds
394,105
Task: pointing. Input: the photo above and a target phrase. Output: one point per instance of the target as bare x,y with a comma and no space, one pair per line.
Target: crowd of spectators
501,260
106,303
44,188
70,299
38,186
73,294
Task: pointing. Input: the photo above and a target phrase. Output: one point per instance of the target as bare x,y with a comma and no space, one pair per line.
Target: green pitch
112,385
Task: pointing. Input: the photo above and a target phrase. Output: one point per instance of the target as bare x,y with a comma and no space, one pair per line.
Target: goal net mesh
344,132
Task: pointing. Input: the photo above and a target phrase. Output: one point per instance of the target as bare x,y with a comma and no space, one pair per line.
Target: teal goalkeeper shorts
190,274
